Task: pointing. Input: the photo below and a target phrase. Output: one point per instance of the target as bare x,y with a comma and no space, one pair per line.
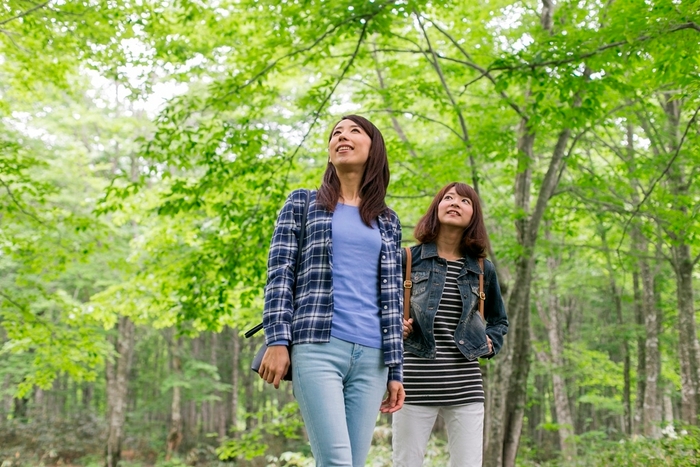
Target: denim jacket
428,273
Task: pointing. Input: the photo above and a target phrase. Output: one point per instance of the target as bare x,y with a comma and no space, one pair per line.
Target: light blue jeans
339,387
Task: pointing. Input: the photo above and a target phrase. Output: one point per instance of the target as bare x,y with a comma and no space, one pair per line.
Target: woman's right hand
275,364
407,327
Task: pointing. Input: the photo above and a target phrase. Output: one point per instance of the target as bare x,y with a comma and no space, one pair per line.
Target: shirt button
385,307
383,256
385,330
384,281
461,342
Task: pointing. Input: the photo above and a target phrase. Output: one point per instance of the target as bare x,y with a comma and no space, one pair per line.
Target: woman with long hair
343,320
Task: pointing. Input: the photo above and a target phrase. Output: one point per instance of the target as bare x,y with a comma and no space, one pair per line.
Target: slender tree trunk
175,432
88,391
207,406
235,378
565,421
651,405
615,293
519,361
641,356
195,410
39,404
647,316
511,381
117,373
688,348
155,391
667,407
498,421
217,406
250,400
549,310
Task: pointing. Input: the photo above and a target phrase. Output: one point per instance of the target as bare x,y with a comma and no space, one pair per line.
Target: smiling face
349,146
455,210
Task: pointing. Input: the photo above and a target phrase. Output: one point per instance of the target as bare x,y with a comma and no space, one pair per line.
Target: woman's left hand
488,340
407,327
394,399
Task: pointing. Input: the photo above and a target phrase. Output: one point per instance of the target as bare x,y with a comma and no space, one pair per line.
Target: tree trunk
668,408
638,417
250,400
88,391
175,432
235,378
511,379
217,406
682,262
651,406
688,349
39,405
615,293
207,412
117,373
498,423
647,316
565,422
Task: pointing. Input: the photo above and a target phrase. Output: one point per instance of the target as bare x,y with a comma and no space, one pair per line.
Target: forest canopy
146,148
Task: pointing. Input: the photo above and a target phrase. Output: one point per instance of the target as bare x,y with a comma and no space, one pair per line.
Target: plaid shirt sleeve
392,298
277,313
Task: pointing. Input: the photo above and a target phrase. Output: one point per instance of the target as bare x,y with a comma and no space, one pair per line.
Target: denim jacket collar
429,250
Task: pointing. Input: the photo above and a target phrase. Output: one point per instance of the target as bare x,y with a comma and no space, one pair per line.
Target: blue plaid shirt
308,318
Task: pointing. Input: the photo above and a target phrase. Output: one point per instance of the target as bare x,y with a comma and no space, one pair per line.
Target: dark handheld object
252,331
257,360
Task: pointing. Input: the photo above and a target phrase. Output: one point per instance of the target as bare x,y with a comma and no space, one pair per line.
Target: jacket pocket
419,293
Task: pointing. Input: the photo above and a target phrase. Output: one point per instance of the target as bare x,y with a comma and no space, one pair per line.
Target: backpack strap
482,295
407,285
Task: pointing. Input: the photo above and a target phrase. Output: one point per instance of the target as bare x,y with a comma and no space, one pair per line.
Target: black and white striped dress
449,379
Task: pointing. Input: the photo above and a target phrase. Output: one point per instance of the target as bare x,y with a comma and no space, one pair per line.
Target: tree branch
9,36
422,117
661,175
16,202
24,13
463,124
320,39
394,121
470,63
602,48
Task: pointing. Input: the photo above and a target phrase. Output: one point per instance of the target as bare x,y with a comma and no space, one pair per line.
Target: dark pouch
257,360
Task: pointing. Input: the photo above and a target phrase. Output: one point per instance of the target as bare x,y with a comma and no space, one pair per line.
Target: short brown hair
475,240
375,178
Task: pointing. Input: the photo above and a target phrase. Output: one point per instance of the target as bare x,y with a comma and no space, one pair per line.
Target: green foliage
285,423
66,440
111,208
678,451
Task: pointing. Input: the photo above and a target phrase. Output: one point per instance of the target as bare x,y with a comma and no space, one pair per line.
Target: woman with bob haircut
343,319
445,334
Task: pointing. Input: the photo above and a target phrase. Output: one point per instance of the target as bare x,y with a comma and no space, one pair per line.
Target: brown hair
375,178
475,240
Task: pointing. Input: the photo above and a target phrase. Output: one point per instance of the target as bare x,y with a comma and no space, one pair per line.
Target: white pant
413,424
